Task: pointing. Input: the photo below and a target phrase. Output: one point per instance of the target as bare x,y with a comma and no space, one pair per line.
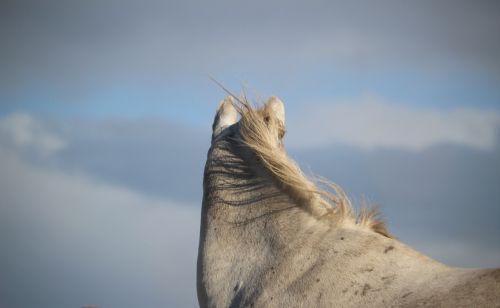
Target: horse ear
276,109
275,106
225,116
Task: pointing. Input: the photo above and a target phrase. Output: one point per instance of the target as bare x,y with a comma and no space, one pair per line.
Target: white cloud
371,122
24,131
69,241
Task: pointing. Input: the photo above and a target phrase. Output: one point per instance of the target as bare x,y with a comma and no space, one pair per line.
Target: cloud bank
371,122
112,217
69,241
22,131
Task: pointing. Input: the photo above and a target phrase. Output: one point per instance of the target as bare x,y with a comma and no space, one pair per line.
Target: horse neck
246,220
240,195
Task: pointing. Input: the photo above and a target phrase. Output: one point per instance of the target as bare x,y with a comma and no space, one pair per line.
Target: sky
105,121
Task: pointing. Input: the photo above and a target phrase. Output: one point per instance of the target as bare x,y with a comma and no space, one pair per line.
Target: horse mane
261,131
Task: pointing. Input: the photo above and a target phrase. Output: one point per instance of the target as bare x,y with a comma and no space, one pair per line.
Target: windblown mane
261,130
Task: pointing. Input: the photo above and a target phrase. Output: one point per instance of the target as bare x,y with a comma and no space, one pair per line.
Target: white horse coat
270,237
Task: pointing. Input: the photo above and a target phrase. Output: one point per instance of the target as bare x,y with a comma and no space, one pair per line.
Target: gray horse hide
259,248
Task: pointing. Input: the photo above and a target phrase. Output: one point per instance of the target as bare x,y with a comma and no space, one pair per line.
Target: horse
272,237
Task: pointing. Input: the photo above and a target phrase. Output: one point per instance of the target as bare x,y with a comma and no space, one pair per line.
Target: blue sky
190,99
106,111
109,59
